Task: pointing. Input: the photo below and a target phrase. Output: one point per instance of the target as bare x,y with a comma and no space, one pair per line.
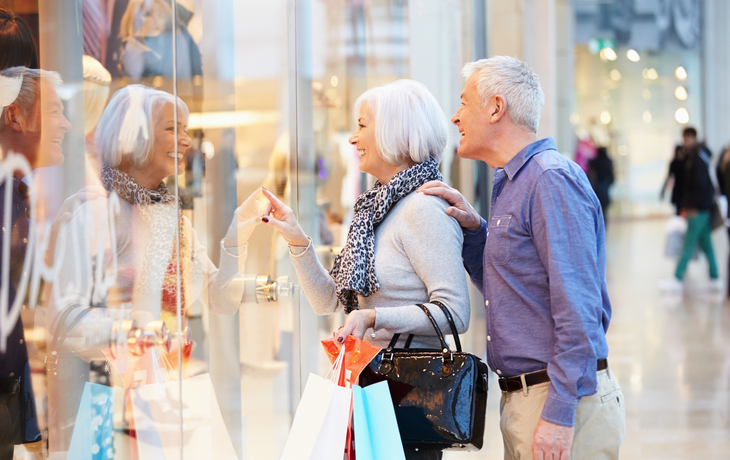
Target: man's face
689,140
53,127
473,122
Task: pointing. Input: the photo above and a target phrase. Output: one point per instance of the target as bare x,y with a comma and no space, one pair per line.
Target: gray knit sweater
417,259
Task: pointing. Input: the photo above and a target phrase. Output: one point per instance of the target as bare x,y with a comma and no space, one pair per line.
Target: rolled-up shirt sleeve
564,229
472,253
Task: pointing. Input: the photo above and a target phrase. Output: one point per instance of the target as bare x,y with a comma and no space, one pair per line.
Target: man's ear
497,108
13,118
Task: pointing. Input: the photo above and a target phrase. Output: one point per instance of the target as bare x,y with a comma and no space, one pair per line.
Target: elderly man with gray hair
32,125
540,263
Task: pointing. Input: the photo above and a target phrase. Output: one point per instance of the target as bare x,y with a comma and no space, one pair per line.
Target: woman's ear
13,118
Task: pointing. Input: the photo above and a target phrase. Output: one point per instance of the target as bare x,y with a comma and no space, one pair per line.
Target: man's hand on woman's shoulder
460,209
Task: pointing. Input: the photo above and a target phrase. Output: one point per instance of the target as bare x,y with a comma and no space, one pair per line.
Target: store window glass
144,311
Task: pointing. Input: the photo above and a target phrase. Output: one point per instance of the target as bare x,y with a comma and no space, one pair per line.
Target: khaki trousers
599,421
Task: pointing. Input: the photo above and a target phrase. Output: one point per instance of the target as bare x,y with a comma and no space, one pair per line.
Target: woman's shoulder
418,203
420,208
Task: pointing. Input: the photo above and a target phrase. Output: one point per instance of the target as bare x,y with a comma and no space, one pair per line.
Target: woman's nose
353,139
185,139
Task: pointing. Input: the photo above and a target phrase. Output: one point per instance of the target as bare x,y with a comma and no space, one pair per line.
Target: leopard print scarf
354,267
157,208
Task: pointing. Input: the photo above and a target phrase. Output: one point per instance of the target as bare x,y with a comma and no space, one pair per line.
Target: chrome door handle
261,288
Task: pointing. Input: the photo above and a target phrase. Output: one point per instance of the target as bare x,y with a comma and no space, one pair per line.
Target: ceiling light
605,118
608,54
633,56
682,116
615,75
680,93
680,73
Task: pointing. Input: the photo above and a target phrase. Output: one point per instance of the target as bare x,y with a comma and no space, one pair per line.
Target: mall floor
671,353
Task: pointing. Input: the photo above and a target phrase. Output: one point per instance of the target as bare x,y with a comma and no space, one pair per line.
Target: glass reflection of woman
145,226
402,248
126,256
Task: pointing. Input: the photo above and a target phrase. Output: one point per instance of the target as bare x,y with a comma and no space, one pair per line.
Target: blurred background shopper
600,174
697,201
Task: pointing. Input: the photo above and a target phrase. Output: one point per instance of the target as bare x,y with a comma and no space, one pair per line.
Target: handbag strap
444,345
452,324
449,318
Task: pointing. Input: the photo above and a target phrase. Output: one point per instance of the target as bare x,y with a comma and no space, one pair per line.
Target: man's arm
565,227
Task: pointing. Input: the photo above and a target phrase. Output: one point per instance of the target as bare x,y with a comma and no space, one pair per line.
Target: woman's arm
316,282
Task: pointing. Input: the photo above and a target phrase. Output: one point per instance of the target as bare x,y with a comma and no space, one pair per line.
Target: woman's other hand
245,219
281,217
357,323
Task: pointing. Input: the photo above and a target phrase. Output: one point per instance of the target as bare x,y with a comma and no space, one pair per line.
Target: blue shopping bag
376,430
93,434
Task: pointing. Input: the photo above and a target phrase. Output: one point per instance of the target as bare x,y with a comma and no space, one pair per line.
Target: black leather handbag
439,396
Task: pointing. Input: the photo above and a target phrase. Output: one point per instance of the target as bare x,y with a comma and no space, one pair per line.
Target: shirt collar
519,160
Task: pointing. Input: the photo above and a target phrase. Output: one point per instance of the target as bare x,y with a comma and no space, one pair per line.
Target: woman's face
162,163
364,140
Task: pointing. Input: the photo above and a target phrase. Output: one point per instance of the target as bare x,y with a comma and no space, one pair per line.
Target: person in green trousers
697,202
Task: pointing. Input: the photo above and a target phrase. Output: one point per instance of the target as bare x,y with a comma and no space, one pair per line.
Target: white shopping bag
319,431
675,231
156,409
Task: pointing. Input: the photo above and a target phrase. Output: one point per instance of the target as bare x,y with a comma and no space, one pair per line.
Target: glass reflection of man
32,124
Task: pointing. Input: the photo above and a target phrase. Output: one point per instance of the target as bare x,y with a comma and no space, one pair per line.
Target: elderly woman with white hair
402,248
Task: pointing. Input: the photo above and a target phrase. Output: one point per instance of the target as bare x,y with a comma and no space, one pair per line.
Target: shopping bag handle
333,374
450,320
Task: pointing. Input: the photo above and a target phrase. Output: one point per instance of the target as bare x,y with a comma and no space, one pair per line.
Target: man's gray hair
107,138
30,88
514,80
408,121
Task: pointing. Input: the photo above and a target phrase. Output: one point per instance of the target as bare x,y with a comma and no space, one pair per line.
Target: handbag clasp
386,365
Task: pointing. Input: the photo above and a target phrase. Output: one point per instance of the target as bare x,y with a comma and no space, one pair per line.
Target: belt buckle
504,385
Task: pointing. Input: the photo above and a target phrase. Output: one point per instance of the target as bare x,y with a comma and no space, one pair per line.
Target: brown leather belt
510,384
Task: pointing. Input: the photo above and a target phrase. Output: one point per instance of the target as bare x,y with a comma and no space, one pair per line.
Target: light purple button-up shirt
541,266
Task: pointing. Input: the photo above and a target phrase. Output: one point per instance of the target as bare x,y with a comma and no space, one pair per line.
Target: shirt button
486,303
25,240
499,372
489,339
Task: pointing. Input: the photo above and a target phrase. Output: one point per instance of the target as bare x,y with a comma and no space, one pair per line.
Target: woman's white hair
514,80
107,140
408,121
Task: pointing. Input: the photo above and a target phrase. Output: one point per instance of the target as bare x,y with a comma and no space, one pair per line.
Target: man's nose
65,124
455,118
